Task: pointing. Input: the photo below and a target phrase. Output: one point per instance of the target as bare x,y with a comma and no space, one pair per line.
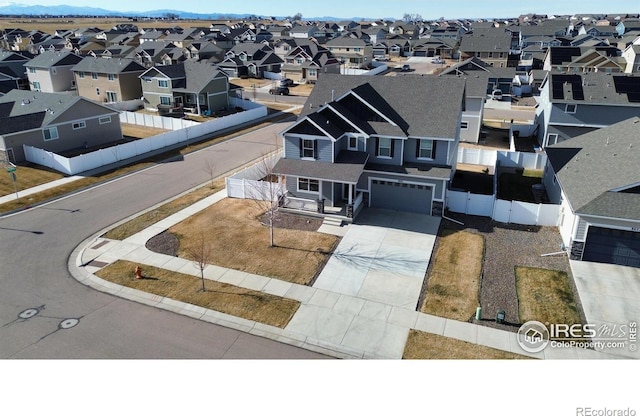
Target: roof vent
25,101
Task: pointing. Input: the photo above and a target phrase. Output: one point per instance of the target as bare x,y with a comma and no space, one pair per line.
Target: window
464,125
79,125
111,77
426,149
308,185
81,75
313,72
94,75
570,108
356,49
112,97
97,91
163,83
105,120
353,143
50,134
552,138
32,70
308,149
299,61
165,100
384,147
36,86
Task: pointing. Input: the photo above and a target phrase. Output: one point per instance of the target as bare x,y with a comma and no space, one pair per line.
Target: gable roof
401,103
591,166
25,110
594,88
50,59
108,65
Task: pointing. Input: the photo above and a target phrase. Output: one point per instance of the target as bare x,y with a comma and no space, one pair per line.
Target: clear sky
428,9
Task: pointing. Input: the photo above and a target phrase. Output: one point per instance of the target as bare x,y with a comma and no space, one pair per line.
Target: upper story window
79,125
163,83
32,70
353,143
464,125
50,134
94,75
384,147
308,149
570,108
36,86
426,149
81,74
111,77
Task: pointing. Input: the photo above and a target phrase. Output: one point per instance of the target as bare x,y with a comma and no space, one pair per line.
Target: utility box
500,316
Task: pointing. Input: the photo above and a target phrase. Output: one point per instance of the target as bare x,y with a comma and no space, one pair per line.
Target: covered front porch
323,188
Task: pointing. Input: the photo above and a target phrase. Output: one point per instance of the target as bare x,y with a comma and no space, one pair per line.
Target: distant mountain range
16,9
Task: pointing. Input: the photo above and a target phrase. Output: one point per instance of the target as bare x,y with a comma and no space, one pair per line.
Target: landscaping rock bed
508,246
164,243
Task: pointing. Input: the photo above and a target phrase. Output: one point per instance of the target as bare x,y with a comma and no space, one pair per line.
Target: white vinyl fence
149,120
515,212
102,157
507,159
247,184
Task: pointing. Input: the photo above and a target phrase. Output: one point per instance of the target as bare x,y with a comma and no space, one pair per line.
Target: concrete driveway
610,296
383,257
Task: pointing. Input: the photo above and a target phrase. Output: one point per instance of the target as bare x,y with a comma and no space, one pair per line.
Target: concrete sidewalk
339,323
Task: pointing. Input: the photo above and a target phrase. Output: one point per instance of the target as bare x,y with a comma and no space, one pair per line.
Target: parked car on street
437,61
279,91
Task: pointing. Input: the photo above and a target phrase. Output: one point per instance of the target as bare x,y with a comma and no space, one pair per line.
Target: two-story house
352,52
250,59
493,49
574,104
574,59
108,79
52,71
373,141
307,61
54,122
12,71
197,87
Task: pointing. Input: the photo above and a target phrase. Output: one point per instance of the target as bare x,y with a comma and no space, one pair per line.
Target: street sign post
12,174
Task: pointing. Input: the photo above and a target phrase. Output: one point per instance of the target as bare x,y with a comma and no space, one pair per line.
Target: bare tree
200,254
267,193
210,168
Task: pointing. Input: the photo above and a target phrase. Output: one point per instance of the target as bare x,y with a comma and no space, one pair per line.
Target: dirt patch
295,222
164,243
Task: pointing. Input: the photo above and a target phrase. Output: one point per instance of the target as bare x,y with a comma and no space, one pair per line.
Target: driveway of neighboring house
610,296
383,257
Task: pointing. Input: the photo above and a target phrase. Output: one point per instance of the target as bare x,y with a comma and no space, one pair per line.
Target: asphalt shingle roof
49,59
108,65
422,106
590,166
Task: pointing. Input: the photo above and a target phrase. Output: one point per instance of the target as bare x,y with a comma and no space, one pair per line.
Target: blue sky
428,9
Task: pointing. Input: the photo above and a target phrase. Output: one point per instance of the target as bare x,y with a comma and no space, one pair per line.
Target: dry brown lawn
249,83
50,25
454,281
151,217
240,242
426,346
545,296
27,176
256,306
140,132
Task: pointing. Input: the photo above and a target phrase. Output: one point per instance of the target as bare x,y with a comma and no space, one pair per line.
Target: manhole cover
68,323
28,313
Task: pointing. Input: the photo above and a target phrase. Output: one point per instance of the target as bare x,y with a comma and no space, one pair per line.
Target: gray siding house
595,177
51,71
374,141
197,87
575,104
54,122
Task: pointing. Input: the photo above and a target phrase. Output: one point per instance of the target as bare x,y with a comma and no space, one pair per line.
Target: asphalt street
45,313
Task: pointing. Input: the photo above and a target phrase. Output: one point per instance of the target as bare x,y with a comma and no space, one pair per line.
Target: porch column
198,104
350,194
320,198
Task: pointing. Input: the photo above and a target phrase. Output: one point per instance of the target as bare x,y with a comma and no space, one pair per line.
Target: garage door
605,245
401,196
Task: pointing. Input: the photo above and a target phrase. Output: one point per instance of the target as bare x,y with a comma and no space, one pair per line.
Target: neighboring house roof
346,41
22,110
53,58
592,166
594,88
108,65
187,76
399,99
480,43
